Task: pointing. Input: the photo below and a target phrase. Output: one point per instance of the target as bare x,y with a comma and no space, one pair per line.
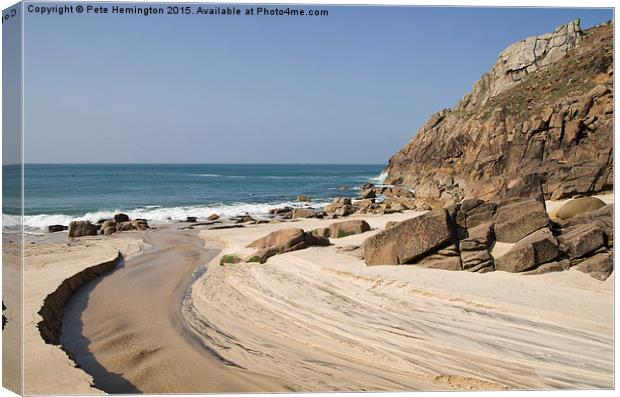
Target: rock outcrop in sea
538,124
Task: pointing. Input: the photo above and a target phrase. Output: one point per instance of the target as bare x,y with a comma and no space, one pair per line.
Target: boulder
439,261
364,206
529,252
191,219
107,224
554,266
598,266
121,218
336,204
578,206
409,240
304,213
473,212
275,211
56,228
139,224
213,217
475,254
603,217
282,241
577,241
82,228
483,231
109,230
345,210
367,194
517,218
124,227
348,228
244,219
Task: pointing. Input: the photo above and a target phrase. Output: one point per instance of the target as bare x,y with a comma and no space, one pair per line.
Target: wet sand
126,329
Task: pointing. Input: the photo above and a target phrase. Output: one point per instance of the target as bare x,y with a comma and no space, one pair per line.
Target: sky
352,87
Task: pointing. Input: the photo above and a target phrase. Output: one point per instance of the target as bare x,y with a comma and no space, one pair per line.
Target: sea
58,194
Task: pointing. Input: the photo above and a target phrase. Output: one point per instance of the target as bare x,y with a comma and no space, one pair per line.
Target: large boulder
483,231
603,217
282,241
578,206
409,240
121,218
56,228
337,203
598,266
140,224
82,228
305,213
367,194
473,216
517,218
446,258
531,251
578,241
475,256
348,228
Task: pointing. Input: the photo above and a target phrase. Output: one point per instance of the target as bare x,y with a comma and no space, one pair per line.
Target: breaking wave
154,214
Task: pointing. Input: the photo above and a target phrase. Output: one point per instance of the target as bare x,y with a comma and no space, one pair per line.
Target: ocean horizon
160,192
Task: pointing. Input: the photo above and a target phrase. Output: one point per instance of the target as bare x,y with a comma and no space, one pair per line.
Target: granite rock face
409,240
521,59
455,238
282,241
82,228
539,124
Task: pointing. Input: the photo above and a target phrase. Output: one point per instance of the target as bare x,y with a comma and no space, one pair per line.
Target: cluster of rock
282,241
462,237
343,229
194,219
540,123
286,240
120,223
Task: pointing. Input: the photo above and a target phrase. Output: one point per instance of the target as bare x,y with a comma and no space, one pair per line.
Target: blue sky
352,87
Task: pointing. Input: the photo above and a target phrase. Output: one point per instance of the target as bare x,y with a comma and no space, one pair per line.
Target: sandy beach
308,224
170,318
49,264
322,317
140,343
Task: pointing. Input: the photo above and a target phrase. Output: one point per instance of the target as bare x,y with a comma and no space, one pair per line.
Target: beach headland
486,264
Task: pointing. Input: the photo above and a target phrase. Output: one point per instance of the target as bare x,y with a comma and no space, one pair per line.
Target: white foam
152,213
380,178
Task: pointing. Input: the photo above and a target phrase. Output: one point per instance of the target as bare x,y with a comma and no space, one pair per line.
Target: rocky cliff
540,123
